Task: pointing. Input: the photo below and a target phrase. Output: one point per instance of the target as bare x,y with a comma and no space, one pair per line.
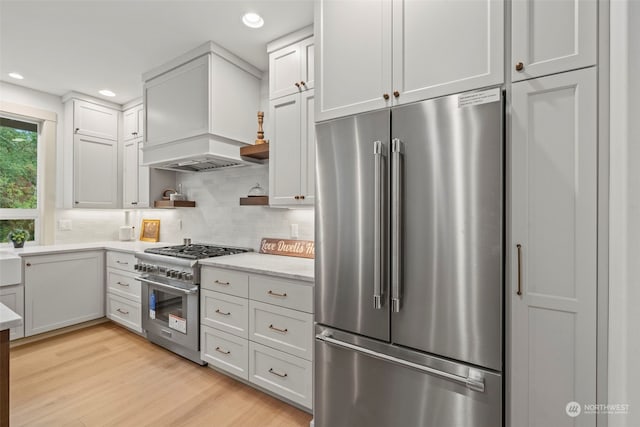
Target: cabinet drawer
282,292
284,329
121,261
227,281
225,312
281,373
124,312
123,284
225,351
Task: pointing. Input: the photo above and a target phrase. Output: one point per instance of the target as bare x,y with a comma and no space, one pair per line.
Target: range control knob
188,276
168,273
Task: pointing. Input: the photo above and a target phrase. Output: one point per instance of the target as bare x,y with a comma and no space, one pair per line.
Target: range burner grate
196,251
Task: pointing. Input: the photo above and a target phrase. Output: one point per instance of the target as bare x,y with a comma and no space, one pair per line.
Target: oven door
170,312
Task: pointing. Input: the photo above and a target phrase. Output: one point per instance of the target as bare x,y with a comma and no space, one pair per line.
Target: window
18,177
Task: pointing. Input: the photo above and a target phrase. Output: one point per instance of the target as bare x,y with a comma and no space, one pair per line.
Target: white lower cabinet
282,328
62,290
13,297
224,351
124,312
259,328
279,372
123,291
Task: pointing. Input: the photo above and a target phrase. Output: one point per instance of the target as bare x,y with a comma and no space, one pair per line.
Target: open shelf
259,151
170,204
254,201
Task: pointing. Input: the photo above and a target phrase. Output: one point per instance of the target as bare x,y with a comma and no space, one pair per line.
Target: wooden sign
295,248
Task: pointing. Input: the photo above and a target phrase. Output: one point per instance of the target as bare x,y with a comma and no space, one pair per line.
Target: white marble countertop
8,319
273,265
131,247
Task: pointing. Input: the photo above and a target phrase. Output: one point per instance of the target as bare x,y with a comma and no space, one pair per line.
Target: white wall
624,280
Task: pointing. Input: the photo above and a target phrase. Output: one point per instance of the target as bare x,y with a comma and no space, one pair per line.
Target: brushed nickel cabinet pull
221,283
222,312
274,372
282,331
275,294
219,350
519,291
123,284
122,311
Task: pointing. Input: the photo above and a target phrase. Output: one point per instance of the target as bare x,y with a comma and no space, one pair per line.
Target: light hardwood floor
106,375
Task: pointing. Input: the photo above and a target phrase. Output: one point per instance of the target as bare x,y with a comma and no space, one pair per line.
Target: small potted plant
18,236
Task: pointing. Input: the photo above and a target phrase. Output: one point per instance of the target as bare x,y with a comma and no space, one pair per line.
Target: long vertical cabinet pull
519,248
378,216
396,224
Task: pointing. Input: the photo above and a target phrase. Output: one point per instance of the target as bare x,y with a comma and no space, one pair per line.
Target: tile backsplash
217,217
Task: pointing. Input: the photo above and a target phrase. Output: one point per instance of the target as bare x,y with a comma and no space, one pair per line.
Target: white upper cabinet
130,174
291,118
132,123
442,47
95,172
553,261
353,61
380,53
291,68
550,37
95,120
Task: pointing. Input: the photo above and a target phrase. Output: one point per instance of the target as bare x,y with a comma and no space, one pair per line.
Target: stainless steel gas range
170,279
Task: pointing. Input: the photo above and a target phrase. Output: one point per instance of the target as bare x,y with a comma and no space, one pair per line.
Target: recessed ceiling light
107,92
252,20
16,76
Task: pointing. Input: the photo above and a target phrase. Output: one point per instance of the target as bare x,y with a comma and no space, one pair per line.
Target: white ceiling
88,45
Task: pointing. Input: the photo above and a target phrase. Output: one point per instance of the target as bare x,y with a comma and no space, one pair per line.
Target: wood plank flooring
107,376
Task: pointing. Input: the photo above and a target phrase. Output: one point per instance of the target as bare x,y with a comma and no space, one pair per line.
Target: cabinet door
177,103
553,211
442,47
353,64
13,297
95,170
63,290
307,63
95,120
130,124
284,151
307,148
140,121
144,182
284,71
130,174
549,37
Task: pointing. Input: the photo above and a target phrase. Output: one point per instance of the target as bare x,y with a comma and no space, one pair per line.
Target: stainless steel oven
170,278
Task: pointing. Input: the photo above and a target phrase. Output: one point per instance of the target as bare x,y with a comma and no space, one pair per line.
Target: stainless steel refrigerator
409,265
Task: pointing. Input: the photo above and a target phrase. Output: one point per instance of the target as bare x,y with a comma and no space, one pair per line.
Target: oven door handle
173,288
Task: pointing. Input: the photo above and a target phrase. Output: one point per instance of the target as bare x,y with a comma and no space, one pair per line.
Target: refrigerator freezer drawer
356,387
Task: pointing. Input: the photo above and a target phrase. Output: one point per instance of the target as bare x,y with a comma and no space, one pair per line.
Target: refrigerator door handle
473,381
378,218
396,224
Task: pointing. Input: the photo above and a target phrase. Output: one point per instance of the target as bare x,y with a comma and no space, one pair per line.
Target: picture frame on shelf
150,230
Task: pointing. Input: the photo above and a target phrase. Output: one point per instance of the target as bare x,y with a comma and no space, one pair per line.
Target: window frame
36,213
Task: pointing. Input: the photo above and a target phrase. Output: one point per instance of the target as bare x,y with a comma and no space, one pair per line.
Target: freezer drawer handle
474,381
378,219
396,225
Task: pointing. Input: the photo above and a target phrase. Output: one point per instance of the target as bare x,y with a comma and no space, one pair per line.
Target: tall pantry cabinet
552,276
